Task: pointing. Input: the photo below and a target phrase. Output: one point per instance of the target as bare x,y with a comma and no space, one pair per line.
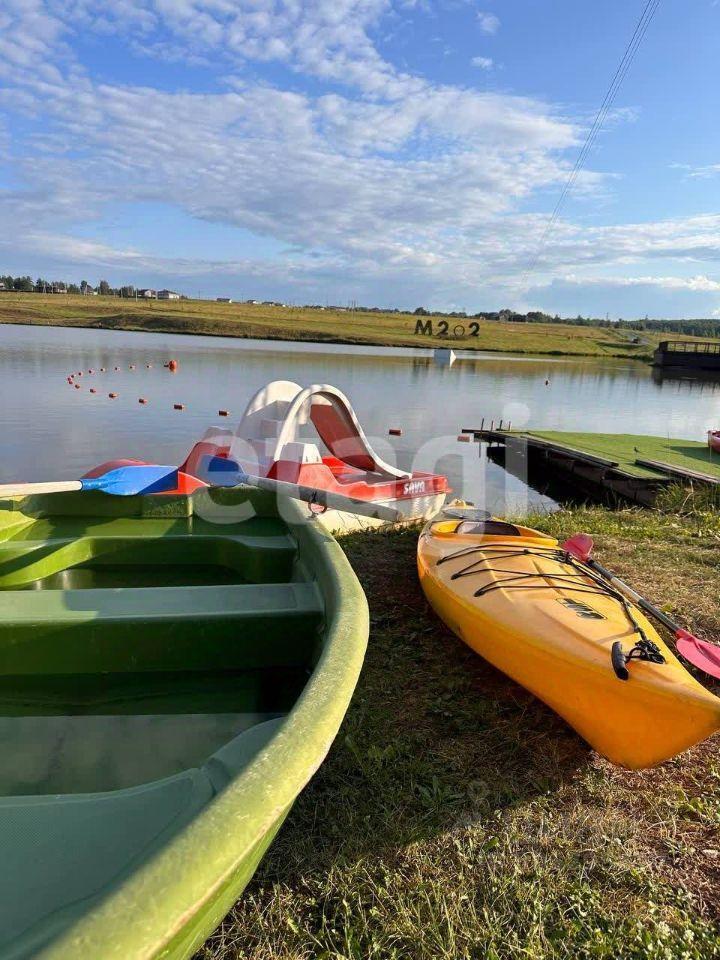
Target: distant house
254,302
148,294
2,285
167,295
90,291
59,288
223,299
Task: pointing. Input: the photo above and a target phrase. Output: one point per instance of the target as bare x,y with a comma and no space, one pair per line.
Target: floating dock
688,355
627,466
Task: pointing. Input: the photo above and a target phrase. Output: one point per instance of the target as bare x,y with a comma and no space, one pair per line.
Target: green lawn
295,323
626,448
457,818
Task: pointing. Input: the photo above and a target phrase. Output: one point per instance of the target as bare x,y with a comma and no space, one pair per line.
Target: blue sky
392,152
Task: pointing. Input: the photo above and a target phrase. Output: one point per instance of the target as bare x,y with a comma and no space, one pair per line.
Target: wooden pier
688,355
625,466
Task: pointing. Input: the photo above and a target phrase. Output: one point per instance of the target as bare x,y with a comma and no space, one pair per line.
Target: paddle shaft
26,489
632,595
325,498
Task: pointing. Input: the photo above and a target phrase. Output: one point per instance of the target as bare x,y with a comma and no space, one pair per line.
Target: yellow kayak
553,625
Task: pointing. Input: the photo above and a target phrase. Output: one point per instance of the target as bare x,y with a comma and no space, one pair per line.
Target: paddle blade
134,480
580,546
701,653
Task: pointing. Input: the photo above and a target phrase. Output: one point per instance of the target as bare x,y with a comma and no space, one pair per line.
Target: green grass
457,818
288,323
626,448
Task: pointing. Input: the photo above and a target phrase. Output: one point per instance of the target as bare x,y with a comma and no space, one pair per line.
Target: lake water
49,430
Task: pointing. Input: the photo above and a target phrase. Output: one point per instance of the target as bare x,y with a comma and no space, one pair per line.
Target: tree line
26,284
699,327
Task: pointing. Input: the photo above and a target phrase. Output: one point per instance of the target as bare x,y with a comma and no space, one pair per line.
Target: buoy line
171,365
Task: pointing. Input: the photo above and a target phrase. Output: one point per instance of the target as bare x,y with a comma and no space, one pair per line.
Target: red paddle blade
580,546
703,654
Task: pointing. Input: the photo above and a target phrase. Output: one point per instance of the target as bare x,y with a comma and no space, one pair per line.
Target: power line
623,66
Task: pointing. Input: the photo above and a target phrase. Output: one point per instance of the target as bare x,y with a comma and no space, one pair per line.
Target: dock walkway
632,466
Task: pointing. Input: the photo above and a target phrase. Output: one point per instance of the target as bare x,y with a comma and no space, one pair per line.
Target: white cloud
701,173
698,284
368,172
484,63
488,22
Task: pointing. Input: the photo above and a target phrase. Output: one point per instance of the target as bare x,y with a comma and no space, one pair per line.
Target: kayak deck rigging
569,582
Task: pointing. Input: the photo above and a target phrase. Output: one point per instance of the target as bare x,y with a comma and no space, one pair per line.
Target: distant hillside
516,334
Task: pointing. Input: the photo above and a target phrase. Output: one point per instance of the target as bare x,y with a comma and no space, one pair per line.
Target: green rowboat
173,670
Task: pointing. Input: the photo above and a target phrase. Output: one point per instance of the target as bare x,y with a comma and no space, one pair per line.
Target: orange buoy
93,390
113,396
77,386
172,365
142,400
178,406
79,373
89,371
223,413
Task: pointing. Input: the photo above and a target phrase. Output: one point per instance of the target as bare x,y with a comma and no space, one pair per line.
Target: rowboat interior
149,650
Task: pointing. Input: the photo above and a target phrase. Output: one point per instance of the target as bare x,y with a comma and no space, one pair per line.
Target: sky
390,152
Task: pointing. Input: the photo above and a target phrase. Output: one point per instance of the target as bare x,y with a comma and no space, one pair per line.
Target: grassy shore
627,448
457,818
290,323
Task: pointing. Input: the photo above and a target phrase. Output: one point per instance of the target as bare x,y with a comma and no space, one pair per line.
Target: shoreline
316,325
98,324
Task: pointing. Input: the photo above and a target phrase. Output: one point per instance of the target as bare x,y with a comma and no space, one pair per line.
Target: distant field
295,323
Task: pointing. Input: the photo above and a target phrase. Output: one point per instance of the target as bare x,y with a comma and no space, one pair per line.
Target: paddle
121,482
701,653
224,473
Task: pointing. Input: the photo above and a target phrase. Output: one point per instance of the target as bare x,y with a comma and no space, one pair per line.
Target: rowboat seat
87,843
37,550
182,628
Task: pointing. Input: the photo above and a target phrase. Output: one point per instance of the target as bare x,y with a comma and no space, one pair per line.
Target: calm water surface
49,430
